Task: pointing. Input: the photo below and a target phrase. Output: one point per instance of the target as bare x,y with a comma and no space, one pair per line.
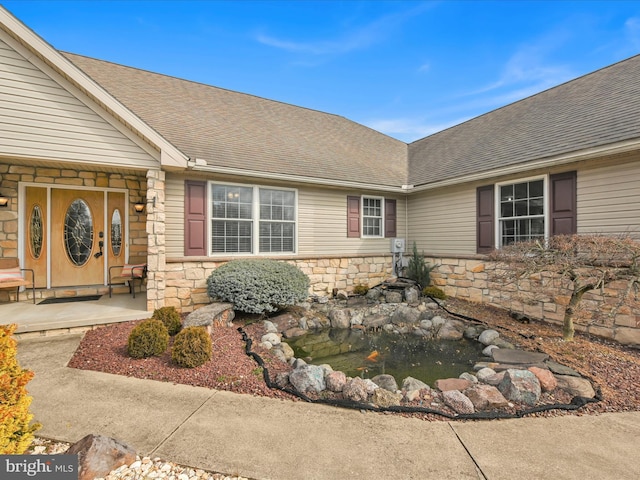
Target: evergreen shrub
170,317
258,285
191,347
15,432
148,338
418,269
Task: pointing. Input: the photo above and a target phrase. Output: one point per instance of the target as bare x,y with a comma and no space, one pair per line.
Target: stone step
520,357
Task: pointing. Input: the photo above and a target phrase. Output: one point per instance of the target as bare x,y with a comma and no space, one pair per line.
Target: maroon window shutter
563,203
390,217
353,216
485,221
195,218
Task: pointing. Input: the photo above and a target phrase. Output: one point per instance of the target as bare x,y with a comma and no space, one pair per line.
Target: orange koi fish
373,357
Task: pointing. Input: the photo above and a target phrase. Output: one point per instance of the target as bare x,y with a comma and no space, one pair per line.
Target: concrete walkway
264,438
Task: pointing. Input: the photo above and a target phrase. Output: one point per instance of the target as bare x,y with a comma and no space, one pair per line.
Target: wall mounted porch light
139,207
4,201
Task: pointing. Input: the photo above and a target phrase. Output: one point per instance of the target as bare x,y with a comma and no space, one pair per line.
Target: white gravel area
143,468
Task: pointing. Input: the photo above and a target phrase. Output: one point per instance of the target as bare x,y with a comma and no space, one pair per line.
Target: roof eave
556,160
199,165
170,155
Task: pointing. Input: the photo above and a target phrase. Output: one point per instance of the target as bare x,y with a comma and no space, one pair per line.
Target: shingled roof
248,133
239,131
597,109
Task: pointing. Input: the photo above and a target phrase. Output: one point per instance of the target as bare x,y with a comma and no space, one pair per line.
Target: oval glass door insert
116,232
78,232
35,231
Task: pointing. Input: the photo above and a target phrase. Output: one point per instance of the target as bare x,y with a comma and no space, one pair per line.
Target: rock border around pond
509,377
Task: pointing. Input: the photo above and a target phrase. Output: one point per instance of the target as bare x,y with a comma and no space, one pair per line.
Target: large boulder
451,330
388,382
578,387
448,384
406,315
355,390
214,314
411,383
520,386
547,380
98,455
384,398
308,379
488,336
375,320
335,381
458,401
340,318
485,397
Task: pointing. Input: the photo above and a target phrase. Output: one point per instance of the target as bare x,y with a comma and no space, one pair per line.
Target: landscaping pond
363,354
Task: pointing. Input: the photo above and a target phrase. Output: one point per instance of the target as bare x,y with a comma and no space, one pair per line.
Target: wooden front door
72,236
77,228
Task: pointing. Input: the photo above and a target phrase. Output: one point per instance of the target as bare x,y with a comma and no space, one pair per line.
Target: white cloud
354,39
632,31
425,67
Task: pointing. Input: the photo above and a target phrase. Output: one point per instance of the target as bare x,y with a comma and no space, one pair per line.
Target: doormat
83,298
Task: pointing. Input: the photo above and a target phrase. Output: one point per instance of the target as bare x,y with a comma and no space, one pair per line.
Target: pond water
360,354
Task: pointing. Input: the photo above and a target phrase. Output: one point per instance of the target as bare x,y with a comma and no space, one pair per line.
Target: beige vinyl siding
174,215
443,221
609,198
41,119
321,225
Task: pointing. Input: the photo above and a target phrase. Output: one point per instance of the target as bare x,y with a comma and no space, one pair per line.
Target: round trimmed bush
258,285
170,317
147,339
191,347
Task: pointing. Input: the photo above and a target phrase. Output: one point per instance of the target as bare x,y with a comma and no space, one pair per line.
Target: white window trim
382,215
496,207
255,220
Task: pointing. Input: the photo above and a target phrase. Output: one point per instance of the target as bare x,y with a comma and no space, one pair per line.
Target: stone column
156,259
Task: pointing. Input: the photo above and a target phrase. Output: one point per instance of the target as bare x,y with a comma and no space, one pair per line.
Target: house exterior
225,175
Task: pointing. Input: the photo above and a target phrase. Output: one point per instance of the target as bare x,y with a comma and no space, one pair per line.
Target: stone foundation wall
186,287
601,314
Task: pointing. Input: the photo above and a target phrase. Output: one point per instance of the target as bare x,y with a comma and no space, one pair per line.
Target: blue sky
405,68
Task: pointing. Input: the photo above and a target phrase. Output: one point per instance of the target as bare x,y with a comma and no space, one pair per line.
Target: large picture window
522,215
251,219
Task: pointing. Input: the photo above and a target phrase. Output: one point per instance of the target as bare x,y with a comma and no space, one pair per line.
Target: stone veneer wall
186,287
12,175
467,278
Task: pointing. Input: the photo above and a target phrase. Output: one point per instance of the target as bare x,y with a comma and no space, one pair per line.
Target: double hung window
251,219
522,212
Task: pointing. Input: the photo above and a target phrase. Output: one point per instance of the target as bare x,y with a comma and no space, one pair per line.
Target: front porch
72,317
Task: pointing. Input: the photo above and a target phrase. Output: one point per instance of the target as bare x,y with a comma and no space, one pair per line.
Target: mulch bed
612,368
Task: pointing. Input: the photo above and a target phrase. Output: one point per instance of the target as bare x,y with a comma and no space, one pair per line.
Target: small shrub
15,432
170,317
434,292
258,285
149,338
418,269
192,347
360,289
